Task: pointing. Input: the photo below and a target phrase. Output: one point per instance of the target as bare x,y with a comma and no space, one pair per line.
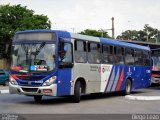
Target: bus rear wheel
77,92
38,98
128,87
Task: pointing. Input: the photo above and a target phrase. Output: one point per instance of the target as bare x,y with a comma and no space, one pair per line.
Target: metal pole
147,31
112,26
157,37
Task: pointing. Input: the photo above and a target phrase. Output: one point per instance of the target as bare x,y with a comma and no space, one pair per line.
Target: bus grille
31,85
30,89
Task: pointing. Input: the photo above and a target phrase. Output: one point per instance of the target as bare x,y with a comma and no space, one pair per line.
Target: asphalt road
113,103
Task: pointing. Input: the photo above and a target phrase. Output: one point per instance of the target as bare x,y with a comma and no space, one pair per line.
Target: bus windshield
35,57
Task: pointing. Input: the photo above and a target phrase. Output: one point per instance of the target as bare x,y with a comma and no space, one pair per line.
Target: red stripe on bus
120,80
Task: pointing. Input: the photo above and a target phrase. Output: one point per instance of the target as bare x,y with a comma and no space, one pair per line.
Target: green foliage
148,34
16,18
95,33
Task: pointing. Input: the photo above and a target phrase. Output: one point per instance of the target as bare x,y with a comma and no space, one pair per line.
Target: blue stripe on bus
115,73
116,80
110,78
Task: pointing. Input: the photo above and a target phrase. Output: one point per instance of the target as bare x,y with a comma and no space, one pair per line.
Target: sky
78,15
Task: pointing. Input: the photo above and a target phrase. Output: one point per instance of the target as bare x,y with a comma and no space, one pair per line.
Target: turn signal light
47,90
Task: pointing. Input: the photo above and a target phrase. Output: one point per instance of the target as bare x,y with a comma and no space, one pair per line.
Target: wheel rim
128,87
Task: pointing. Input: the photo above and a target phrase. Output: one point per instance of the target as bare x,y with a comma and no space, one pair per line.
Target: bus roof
90,38
123,44
108,41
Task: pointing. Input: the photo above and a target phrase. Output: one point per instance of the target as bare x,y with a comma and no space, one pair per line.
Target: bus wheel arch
82,83
128,86
79,87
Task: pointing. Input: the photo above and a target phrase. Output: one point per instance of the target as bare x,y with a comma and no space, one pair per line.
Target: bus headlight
49,81
13,81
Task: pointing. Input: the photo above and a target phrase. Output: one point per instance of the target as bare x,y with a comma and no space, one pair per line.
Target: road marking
4,91
130,97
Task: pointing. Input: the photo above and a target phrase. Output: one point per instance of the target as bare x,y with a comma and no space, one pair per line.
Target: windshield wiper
39,49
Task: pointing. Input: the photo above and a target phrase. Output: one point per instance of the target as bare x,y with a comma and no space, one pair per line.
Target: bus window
80,54
138,57
107,54
119,52
146,58
94,53
129,56
65,54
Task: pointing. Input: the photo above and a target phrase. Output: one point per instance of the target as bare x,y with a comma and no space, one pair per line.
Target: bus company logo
103,70
106,69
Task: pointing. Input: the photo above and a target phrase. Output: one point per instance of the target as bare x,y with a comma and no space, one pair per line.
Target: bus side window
146,58
107,54
129,56
138,57
80,54
94,53
119,52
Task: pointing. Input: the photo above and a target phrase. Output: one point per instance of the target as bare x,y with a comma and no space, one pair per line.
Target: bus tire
6,83
38,98
77,92
128,87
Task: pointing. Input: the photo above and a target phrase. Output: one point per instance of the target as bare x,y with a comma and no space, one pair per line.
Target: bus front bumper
26,90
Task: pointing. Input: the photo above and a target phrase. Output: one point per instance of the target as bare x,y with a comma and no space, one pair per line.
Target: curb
4,91
147,98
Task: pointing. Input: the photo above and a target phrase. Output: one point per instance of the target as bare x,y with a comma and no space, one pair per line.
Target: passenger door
65,68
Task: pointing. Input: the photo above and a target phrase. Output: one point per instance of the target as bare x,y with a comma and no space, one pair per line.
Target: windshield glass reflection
33,57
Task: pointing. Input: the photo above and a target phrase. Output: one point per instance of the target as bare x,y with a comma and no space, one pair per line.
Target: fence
4,64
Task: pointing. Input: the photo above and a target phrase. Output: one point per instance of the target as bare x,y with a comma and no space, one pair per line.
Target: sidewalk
4,89
150,93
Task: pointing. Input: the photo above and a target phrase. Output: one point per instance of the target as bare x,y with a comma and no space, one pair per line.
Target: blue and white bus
59,63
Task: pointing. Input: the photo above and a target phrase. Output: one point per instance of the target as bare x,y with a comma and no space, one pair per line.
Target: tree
148,34
95,33
127,35
15,18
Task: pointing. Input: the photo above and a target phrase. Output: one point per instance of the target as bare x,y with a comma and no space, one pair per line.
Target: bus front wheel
38,98
128,87
77,92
